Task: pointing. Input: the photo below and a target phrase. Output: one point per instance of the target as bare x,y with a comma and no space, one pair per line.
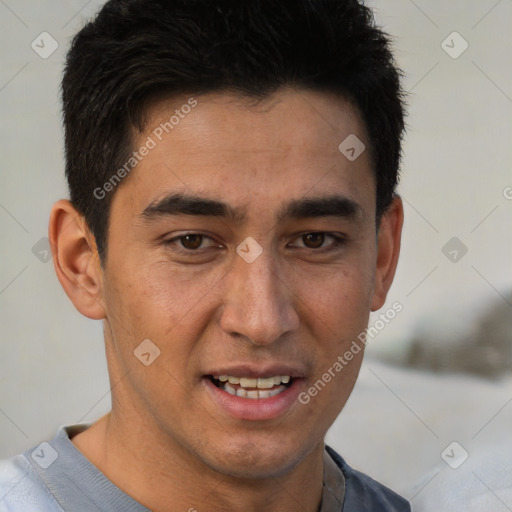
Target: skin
166,442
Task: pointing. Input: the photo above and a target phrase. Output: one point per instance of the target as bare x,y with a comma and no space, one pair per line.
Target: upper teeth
247,382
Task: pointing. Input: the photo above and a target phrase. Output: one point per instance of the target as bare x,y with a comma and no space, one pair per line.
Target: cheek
156,298
338,298
154,304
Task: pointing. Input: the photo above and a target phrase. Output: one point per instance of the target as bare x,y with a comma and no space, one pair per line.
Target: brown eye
191,241
313,240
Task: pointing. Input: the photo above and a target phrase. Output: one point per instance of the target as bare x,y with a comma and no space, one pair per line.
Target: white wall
457,164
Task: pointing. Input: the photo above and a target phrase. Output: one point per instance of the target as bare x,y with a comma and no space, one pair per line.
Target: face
244,246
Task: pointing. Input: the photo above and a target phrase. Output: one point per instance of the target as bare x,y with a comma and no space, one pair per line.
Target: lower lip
259,409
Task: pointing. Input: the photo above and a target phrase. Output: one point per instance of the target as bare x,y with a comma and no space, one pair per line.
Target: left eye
192,241
317,240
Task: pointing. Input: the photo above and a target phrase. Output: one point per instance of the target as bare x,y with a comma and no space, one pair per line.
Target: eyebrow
306,208
182,204
330,206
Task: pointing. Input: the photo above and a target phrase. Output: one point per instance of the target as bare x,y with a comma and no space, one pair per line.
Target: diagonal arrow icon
351,147
146,352
454,249
44,45
249,249
454,455
41,250
44,455
454,45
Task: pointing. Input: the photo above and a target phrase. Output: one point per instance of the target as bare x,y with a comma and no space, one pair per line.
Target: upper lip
261,371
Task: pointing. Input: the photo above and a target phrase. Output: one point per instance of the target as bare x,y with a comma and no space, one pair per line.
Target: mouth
252,388
254,394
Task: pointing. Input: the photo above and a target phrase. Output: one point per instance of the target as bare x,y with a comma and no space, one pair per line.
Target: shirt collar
333,490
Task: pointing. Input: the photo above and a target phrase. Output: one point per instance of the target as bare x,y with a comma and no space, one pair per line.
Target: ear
388,249
76,259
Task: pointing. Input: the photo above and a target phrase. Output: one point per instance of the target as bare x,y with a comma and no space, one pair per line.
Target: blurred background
438,373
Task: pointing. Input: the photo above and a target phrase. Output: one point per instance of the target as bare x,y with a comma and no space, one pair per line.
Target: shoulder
22,490
363,494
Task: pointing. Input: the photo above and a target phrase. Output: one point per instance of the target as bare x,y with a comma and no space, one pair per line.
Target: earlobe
76,259
388,250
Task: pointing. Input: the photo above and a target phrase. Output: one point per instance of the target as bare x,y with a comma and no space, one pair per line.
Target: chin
257,460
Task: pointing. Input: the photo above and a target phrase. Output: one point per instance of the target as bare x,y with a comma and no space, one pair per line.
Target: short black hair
135,50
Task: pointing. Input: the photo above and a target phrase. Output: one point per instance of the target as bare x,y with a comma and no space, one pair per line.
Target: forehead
222,145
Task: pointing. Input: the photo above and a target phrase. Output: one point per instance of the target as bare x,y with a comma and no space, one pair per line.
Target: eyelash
338,241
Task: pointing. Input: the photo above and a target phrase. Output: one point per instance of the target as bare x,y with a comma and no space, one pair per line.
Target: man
233,221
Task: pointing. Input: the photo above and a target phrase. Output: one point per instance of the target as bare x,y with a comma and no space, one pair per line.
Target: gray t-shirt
56,477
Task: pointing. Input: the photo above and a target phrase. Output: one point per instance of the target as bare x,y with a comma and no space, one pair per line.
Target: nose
258,302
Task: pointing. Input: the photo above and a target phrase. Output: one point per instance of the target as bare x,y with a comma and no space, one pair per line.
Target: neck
160,474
